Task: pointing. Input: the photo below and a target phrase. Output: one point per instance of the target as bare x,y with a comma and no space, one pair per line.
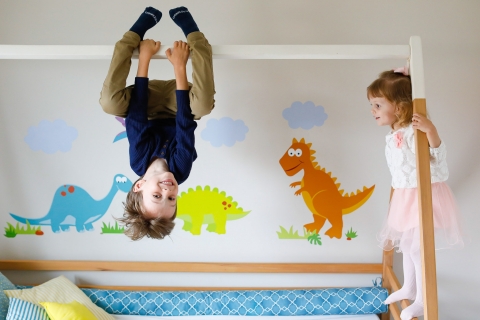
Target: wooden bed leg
387,262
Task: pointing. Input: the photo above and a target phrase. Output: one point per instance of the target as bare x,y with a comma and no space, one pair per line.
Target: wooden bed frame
414,55
390,280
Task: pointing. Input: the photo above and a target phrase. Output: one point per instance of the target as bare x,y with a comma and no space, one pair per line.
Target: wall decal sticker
204,206
51,137
123,134
11,231
304,115
112,229
290,234
312,237
321,194
351,234
225,131
315,239
73,206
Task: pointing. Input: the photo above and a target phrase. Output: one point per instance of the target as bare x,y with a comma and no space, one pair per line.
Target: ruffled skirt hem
401,227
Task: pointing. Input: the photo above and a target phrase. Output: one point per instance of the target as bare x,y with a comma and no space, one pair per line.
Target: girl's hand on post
423,124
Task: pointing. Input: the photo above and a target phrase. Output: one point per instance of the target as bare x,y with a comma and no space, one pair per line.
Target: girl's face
383,111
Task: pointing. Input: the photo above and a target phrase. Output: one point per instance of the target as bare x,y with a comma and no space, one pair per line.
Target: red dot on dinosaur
71,189
63,193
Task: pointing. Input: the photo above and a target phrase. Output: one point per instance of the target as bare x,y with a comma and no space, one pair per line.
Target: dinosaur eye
291,152
121,179
298,152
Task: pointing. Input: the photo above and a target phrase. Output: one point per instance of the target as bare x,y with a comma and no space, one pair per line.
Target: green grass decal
351,234
11,231
315,239
112,229
290,234
312,237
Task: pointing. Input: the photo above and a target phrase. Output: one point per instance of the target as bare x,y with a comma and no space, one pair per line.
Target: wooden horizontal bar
162,288
144,266
95,52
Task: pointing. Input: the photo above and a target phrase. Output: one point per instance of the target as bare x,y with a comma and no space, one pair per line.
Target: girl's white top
400,154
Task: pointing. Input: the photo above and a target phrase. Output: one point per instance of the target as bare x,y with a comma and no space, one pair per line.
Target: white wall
349,144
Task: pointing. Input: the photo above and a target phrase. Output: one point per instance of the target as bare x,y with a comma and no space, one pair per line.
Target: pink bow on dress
398,138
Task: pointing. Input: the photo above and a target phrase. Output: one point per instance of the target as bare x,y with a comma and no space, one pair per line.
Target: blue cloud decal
304,115
225,131
51,137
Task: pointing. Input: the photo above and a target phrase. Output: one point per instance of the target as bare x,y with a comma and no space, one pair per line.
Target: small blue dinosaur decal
73,206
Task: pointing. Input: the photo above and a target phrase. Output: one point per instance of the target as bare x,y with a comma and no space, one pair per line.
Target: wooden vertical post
387,262
427,238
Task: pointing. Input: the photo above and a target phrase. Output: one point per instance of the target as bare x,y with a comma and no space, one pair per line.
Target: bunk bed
412,53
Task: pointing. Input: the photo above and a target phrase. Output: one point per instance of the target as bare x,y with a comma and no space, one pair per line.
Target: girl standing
391,98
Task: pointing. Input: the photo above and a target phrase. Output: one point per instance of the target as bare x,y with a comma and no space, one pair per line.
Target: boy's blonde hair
136,225
397,89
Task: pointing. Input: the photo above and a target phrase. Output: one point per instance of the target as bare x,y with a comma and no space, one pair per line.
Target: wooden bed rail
211,267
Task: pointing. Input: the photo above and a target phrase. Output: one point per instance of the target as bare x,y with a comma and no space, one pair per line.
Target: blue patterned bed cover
334,301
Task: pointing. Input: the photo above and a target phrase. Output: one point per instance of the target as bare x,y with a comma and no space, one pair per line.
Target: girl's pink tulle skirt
401,227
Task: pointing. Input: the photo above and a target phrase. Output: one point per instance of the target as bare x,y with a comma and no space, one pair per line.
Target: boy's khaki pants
115,96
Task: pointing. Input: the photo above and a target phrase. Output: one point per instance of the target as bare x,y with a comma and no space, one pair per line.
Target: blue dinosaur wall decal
73,206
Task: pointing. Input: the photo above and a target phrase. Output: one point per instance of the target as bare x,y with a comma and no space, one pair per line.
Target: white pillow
59,290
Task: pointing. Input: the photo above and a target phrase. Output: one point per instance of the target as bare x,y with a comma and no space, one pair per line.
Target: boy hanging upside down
159,118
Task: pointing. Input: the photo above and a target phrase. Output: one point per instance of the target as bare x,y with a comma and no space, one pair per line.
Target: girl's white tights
412,287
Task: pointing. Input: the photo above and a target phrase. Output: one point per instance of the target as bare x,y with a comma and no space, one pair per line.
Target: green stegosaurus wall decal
205,206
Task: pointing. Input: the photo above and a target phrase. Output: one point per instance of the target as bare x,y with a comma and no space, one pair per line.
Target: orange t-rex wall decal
319,190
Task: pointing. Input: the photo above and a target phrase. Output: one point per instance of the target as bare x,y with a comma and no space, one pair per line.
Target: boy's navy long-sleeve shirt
171,139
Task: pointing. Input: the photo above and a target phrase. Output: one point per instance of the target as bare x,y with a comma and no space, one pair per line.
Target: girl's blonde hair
397,89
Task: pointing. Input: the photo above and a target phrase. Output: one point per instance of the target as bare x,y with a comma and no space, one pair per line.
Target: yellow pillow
67,311
60,290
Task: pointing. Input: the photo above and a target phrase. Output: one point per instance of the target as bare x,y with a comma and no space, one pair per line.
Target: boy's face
159,195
